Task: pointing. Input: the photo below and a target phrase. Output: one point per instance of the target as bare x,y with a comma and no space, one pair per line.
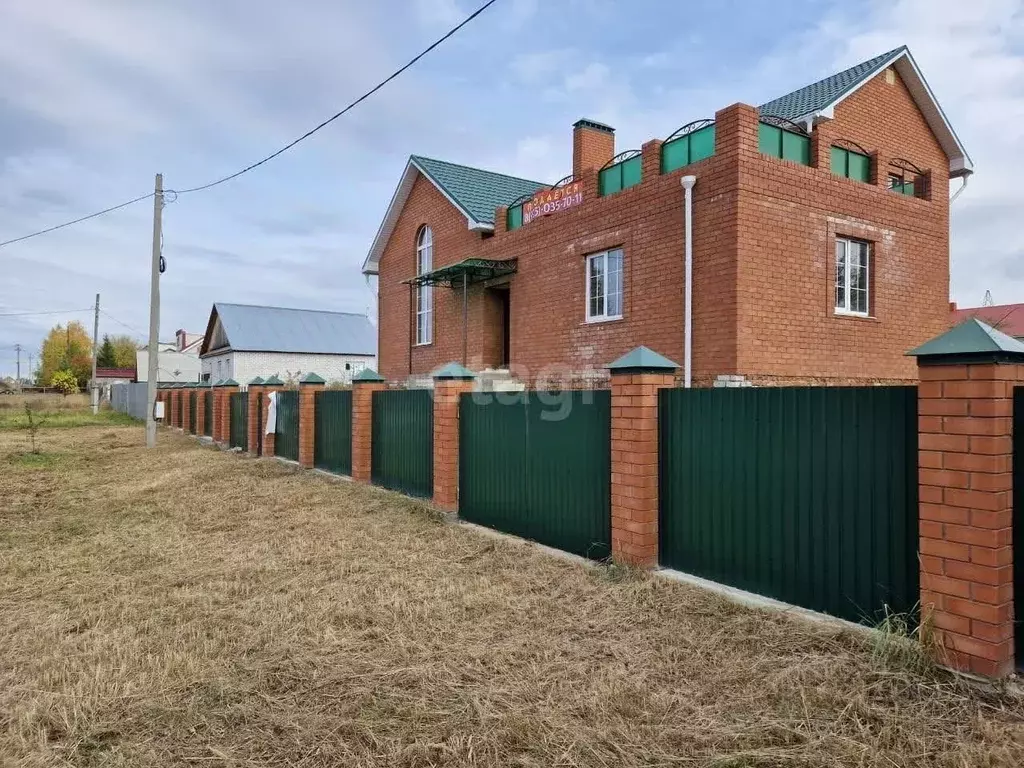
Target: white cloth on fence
271,426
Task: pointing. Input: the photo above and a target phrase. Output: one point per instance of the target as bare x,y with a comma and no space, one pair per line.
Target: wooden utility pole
95,394
153,350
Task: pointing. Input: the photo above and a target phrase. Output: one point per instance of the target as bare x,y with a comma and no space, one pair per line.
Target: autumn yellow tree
66,347
125,348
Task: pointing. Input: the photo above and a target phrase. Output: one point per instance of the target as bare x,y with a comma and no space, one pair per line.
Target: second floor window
424,293
853,261
604,285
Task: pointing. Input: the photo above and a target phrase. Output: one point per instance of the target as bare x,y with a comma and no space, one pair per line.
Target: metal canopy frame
467,271
460,275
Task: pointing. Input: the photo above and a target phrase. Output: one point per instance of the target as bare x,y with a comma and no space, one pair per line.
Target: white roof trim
959,161
387,226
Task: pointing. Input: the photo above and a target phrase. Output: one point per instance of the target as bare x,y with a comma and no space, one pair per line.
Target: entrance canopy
466,272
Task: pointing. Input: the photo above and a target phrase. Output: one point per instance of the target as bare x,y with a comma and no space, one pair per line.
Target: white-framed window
853,262
424,293
604,285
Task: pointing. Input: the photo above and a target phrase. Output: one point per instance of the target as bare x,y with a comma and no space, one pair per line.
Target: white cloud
438,13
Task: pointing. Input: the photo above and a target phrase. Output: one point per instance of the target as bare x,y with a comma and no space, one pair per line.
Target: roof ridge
287,309
480,170
990,306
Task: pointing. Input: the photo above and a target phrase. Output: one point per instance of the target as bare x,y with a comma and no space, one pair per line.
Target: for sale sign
549,201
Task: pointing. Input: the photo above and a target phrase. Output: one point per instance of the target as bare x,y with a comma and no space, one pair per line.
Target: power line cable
352,105
47,312
125,325
269,157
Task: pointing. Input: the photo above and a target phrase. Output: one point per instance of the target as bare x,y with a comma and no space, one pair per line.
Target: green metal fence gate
539,467
193,401
807,495
1018,524
402,454
286,435
208,413
238,432
332,436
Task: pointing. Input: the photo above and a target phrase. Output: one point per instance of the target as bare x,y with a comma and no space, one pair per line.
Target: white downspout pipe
688,182
963,186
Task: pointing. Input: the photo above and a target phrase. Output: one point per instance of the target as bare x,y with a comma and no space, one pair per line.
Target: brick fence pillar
636,378
364,384
271,385
450,381
201,394
965,415
172,406
215,410
252,416
186,406
227,388
309,385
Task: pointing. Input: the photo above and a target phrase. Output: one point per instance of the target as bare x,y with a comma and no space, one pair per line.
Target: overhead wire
46,312
174,193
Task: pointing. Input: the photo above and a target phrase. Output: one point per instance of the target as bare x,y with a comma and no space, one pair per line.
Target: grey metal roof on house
816,96
305,331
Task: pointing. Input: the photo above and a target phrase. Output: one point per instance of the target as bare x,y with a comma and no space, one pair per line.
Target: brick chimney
593,145
182,339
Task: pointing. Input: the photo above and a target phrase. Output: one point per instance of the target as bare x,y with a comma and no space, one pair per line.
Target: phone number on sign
551,206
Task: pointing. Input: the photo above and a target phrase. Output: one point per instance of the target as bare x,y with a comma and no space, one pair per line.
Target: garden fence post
186,407
450,382
273,384
364,384
636,378
225,390
172,410
965,493
253,416
309,385
201,394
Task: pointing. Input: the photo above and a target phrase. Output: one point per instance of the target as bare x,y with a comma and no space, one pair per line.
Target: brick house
819,245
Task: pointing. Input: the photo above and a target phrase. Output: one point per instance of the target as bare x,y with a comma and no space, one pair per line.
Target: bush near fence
808,495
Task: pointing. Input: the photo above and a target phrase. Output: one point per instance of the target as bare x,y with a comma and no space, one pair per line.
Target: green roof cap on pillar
228,383
453,370
643,359
312,378
274,381
368,374
970,342
217,383
256,382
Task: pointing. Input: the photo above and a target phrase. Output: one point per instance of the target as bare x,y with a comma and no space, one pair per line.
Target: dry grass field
189,607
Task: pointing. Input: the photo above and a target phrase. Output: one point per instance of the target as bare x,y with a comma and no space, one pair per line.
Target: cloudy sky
95,97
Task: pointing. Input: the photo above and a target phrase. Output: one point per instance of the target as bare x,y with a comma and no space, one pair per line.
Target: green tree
125,348
105,357
66,347
64,381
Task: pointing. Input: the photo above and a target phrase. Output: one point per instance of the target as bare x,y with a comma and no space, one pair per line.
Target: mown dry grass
50,401
189,607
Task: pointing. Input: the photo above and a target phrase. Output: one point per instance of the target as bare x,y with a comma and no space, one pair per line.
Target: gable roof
249,328
819,100
473,191
1008,318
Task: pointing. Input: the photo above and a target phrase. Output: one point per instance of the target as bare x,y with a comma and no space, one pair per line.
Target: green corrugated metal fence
1018,523
208,413
259,423
193,401
807,495
286,435
238,432
402,454
525,471
332,436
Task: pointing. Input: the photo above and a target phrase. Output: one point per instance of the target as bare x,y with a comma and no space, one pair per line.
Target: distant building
1008,318
244,341
107,376
178,359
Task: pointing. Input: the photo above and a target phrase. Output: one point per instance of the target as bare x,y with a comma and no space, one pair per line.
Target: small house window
853,260
348,366
424,293
604,285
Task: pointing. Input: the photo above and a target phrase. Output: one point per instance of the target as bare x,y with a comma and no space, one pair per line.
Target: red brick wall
763,263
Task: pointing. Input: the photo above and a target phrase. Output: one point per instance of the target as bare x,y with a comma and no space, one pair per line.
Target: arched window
424,293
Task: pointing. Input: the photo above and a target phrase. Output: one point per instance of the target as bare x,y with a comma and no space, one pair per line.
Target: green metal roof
479,192
971,339
312,378
367,374
256,382
229,383
817,96
453,371
642,359
472,270
274,381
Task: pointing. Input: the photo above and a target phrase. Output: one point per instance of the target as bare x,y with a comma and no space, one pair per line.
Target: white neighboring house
178,360
244,341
